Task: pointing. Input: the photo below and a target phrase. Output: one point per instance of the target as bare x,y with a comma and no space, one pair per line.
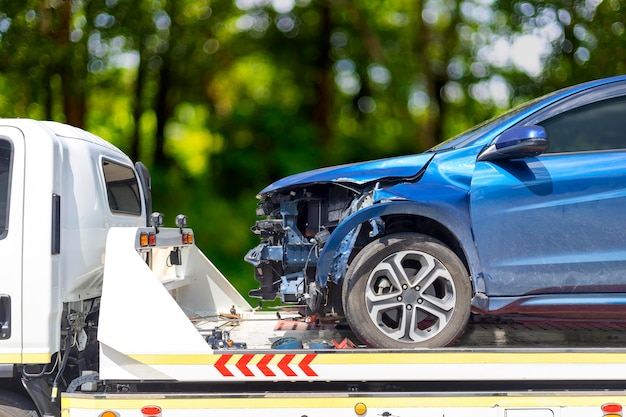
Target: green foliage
221,98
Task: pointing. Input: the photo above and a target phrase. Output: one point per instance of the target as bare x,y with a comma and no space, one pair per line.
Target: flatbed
266,328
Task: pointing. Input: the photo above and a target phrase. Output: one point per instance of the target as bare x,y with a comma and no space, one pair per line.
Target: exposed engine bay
296,226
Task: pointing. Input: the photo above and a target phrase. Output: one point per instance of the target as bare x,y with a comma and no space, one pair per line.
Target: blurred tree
576,40
221,97
43,63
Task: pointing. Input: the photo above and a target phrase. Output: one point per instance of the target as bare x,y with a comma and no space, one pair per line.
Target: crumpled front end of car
298,214
295,227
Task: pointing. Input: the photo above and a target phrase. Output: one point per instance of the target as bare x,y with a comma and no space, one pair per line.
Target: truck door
11,218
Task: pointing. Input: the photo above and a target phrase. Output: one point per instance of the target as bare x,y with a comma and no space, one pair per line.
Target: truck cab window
5,175
122,188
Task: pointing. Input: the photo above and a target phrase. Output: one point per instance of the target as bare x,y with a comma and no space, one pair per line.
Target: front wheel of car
407,290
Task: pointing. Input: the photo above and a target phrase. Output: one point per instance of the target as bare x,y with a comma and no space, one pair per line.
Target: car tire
407,290
15,405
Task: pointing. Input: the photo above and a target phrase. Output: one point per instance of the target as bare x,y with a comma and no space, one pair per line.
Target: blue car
521,216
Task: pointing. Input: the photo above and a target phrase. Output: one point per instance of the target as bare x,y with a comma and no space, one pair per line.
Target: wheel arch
400,223
403,216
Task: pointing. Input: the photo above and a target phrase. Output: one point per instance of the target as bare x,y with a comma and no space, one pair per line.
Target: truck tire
407,290
15,405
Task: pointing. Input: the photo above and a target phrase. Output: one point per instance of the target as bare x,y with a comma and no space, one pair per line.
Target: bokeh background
219,98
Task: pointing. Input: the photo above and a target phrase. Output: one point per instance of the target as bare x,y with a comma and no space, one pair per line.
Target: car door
556,223
11,204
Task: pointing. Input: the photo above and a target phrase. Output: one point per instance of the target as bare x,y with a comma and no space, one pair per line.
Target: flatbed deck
267,329
529,333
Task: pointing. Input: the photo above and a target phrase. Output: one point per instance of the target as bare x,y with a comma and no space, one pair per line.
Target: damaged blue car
521,216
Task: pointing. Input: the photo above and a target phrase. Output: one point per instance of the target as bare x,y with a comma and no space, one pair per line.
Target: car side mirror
517,142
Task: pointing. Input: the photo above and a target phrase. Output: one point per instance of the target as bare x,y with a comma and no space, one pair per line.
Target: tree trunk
428,131
137,112
162,110
323,109
71,66
72,71
433,69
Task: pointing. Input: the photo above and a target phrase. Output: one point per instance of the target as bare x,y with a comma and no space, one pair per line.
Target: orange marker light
109,413
360,409
143,240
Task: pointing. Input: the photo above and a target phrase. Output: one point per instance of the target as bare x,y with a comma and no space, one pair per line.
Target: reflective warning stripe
474,357
373,357
11,358
374,365
243,364
229,365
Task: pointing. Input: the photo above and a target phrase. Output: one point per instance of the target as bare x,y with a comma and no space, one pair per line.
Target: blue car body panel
539,235
557,221
357,173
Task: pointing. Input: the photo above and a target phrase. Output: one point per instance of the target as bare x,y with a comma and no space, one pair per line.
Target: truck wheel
407,290
15,405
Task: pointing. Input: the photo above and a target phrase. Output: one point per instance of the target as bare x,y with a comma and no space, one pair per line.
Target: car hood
387,170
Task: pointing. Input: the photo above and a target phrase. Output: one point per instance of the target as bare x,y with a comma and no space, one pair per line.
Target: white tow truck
104,312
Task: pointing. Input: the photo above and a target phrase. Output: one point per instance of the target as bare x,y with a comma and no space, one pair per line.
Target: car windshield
470,136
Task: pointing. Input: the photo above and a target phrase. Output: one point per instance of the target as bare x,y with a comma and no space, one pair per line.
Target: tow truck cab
61,189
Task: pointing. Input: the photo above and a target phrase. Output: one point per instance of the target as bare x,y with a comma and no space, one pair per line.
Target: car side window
596,126
122,188
5,177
